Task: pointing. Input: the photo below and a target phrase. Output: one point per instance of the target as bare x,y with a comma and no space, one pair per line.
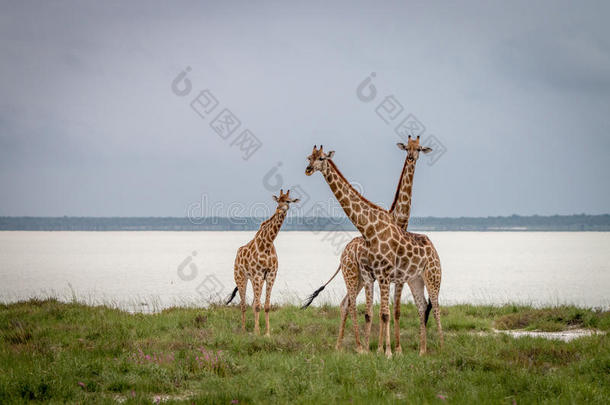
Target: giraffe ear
426,149
276,198
330,154
295,200
401,146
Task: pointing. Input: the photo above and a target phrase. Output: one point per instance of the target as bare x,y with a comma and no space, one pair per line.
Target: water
140,270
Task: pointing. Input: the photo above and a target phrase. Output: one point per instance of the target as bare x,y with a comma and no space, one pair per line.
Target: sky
96,119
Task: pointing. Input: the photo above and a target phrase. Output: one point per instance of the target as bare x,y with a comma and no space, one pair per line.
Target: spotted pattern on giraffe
257,262
366,258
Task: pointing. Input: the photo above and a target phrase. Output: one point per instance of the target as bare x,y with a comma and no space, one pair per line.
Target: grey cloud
89,125
573,60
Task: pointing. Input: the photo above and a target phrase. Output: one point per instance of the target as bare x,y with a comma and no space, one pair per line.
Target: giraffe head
413,148
318,160
284,200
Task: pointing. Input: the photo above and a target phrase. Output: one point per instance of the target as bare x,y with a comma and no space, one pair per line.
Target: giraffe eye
320,158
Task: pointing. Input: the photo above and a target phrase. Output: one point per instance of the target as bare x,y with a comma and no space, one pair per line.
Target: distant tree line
580,222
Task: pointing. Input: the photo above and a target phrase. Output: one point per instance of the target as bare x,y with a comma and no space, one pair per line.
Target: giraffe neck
270,228
360,211
401,207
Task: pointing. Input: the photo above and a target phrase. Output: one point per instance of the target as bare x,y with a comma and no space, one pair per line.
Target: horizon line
333,217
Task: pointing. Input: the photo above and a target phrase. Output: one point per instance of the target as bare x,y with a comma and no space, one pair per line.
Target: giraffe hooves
388,354
268,334
422,352
360,350
398,350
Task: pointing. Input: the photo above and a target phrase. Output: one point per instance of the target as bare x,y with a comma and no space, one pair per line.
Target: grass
554,319
58,352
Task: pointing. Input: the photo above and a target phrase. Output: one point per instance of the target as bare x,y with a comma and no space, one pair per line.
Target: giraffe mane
402,174
266,223
363,198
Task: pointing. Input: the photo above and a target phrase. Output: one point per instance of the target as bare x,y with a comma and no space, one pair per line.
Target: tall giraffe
351,258
391,254
257,261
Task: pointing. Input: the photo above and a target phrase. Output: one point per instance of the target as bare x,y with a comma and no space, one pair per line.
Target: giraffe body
390,254
353,256
257,262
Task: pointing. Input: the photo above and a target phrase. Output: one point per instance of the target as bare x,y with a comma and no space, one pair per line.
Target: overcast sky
517,94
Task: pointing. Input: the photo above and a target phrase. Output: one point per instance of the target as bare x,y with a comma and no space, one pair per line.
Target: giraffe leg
257,284
417,289
242,283
388,344
433,285
343,307
352,295
384,311
368,315
269,286
353,283
381,336
397,294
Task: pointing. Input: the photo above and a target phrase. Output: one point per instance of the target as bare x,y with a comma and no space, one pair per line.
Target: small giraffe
354,252
257,261
392,254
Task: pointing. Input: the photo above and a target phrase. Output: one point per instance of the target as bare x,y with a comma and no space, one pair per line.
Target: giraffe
391,254
352,256
257,261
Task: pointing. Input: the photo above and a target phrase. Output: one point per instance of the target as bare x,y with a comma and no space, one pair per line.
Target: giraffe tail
428,308
232,296
313,296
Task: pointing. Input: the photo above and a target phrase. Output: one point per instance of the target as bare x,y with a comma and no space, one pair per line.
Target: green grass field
58,352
